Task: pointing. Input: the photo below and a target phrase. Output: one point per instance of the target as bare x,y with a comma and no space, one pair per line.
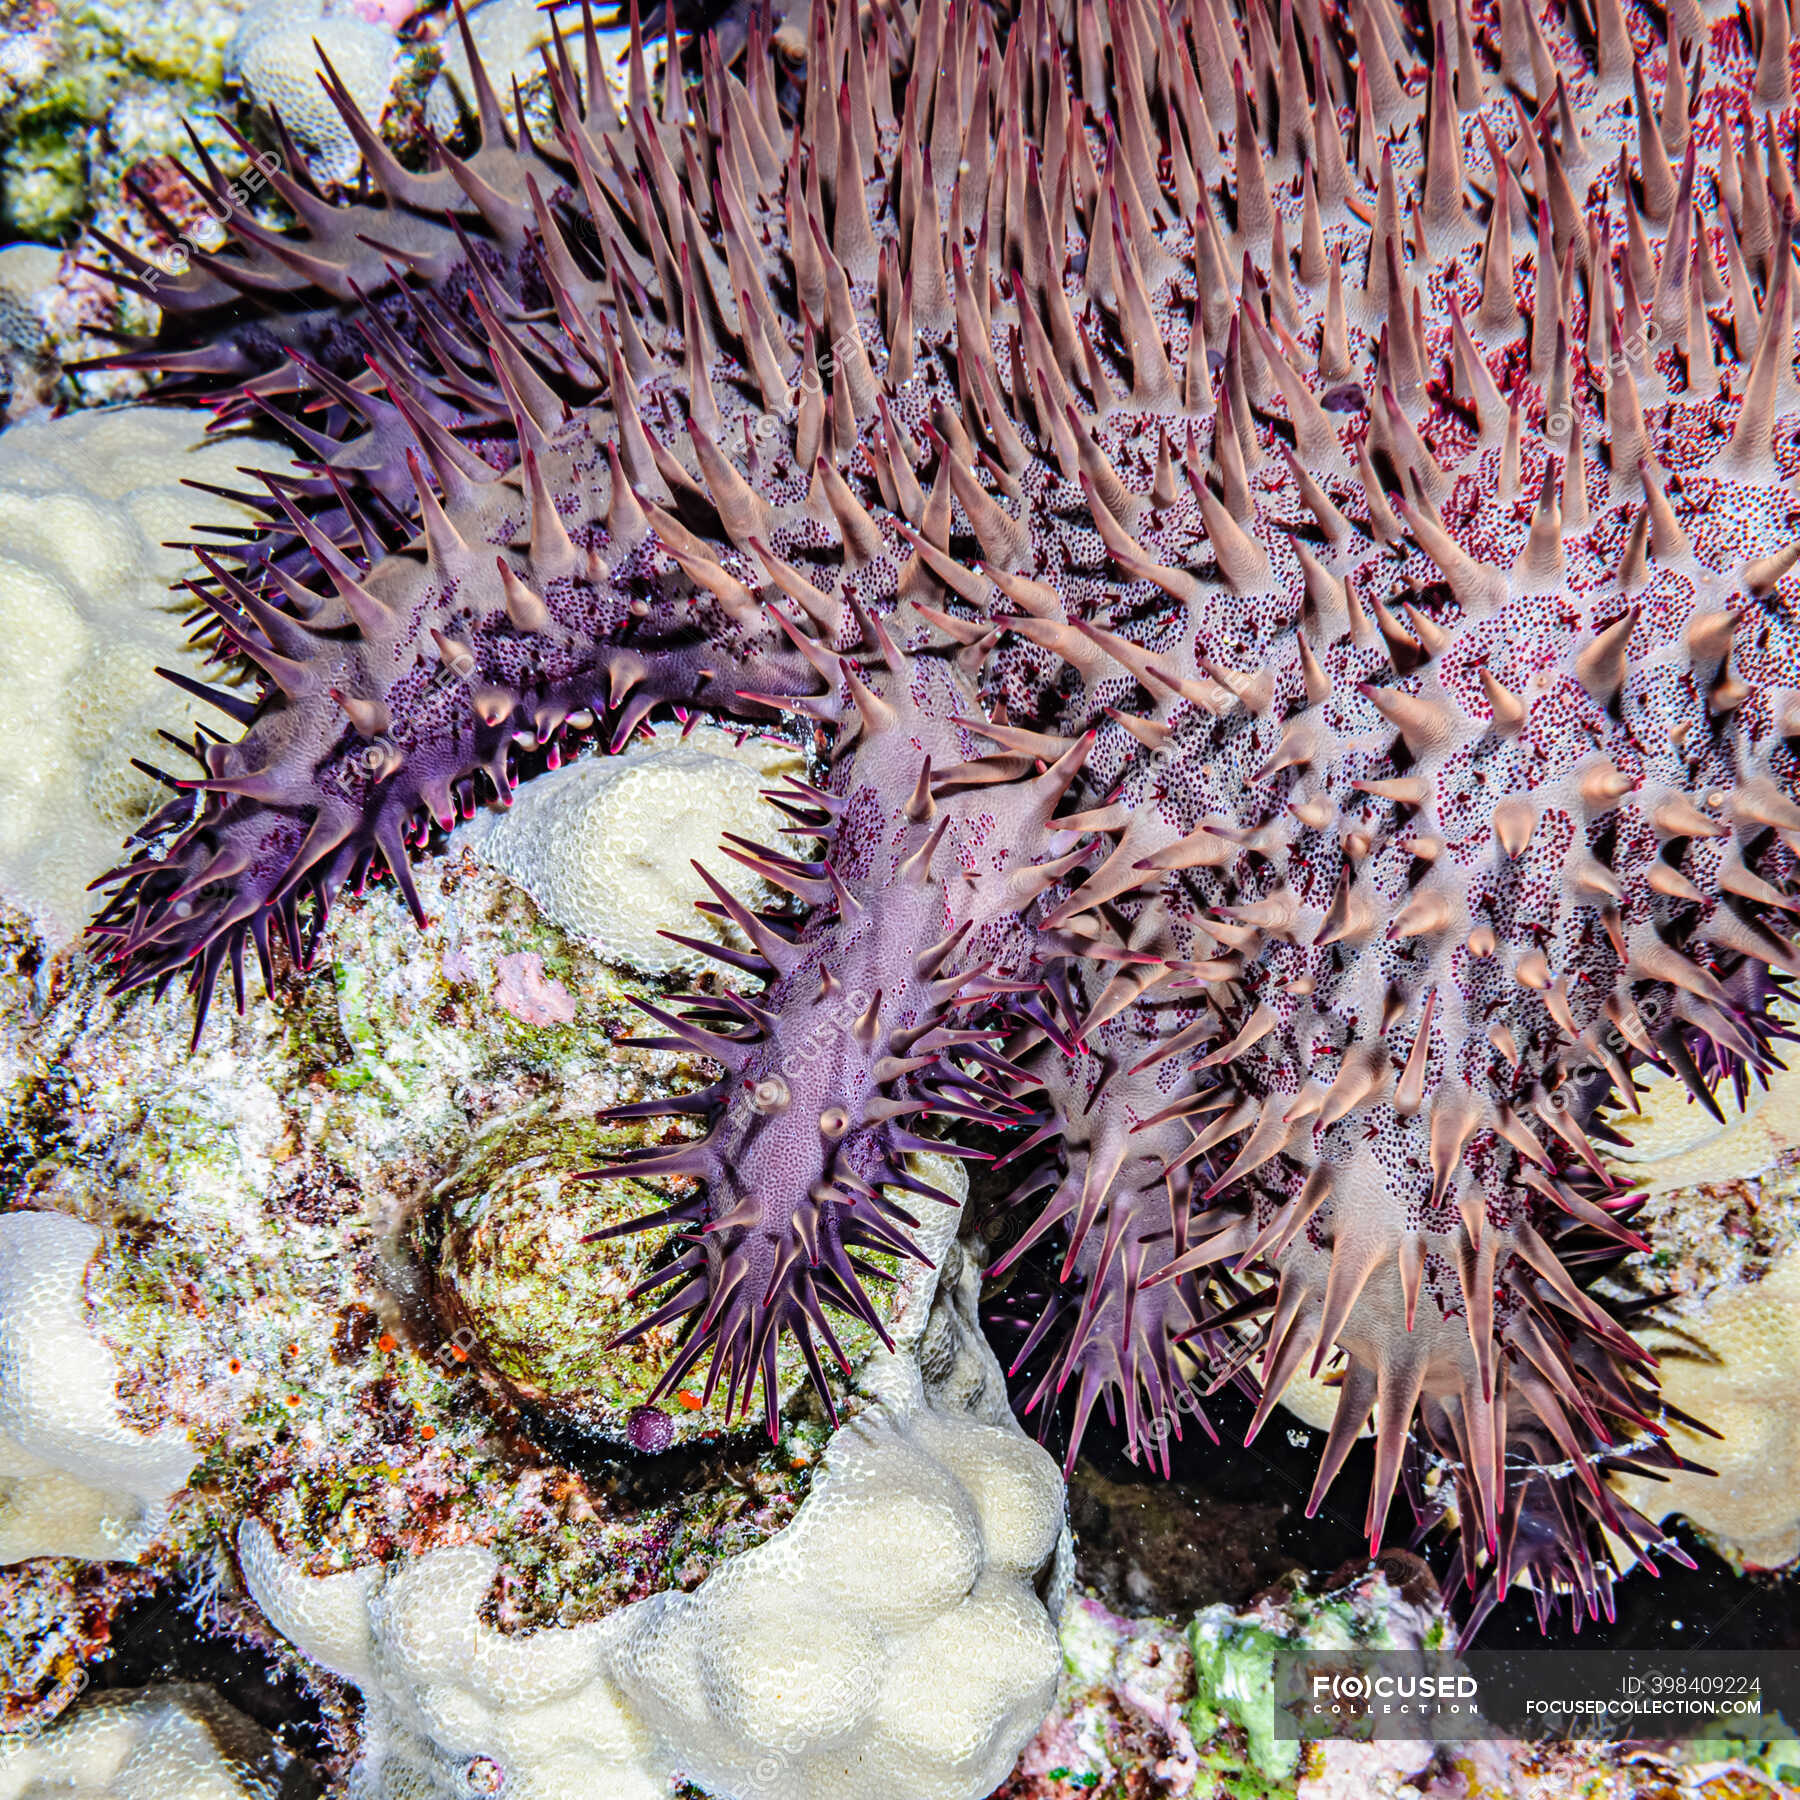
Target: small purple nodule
649,1429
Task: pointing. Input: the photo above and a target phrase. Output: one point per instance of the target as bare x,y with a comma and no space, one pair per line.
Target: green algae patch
1232,1714
44,174
1765,1744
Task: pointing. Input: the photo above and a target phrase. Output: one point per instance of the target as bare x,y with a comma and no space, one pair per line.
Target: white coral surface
1729,1336
508,36
606,845
75,1480
891,1640
273,54
87,505
446,1697
172,1743
888,1641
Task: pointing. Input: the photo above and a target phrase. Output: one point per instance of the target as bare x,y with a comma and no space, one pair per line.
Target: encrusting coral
75,1480
607,846
87,503
1281,524
275,53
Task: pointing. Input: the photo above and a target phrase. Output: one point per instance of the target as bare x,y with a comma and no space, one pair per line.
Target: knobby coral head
1279,523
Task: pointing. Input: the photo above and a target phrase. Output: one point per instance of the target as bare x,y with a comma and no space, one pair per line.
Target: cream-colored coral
170,1743
87,504
509,35
26,270
74,1479
1674,1142
1735,1363
1729,1340
894,1638
605,845
443,1692
888,1641
275,54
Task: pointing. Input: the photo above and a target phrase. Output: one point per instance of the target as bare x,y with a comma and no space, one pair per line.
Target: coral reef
607,845
75,1480
270,1213
88,507
1303,636
272,54
114,82
30,47
891,1633
271,1288
56,1618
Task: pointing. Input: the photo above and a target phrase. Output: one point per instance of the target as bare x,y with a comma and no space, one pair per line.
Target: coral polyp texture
1277,525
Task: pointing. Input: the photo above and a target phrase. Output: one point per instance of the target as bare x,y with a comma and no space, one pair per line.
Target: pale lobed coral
509,36
890,1633
1735,1364
1673,1141
607,845
1729,1336
178,1742
272,54
445,1695
27,370
894,1637
87,506
26,271
75,1480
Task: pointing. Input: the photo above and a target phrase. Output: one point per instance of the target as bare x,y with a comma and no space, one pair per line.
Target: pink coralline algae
392,13
531,996
1280,521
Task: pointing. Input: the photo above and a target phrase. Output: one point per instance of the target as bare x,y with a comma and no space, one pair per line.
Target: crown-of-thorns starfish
1282,521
